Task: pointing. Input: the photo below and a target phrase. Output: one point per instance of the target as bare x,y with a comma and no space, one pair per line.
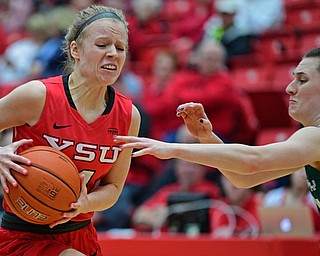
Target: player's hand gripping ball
51,185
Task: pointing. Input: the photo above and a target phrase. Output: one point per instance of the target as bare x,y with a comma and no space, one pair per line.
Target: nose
290,89
112,52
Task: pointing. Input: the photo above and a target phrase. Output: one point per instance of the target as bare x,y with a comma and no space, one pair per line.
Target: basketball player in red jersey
79,114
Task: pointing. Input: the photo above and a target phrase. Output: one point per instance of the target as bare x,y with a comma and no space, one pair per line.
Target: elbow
245,178
253,165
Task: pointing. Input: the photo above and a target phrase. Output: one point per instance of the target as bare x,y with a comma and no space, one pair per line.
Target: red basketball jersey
90,146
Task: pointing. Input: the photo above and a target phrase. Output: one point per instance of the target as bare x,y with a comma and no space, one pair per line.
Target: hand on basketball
76,207
195,119
9,161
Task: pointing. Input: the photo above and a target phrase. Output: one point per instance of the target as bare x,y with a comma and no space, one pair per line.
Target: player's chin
109,77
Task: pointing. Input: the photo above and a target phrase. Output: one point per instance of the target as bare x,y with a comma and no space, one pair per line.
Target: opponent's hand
196,120
9,161
147,146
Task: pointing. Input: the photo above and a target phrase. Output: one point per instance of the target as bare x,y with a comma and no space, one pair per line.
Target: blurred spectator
223,27
294,194
148,30
186,19
180,176
259,16
124,5
130,84
158,104
15,14
190,21
211,84
50,57
78,5
17,60
190,178
244,203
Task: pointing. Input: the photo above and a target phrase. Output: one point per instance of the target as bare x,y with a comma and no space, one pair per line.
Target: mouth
110,67
292,101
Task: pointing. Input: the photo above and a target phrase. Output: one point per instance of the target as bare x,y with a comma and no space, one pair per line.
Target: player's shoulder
309,129
308,133
31,89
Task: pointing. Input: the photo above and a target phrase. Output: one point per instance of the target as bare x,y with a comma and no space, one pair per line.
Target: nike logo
55,126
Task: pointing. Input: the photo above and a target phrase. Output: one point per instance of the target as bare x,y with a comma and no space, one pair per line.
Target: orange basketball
52,183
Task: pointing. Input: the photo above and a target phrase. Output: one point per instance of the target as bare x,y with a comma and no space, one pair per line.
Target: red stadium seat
283,74
267,136
278,46
251,78
309,41
305,17
271,110
296,3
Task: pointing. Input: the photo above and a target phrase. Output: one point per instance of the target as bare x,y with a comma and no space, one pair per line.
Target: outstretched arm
199,126
244,165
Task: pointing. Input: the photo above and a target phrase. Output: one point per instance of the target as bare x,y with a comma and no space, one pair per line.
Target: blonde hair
75,31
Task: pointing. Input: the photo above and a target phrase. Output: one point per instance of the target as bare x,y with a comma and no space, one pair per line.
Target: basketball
52,183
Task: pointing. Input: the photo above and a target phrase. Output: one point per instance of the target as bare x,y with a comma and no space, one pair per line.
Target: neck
90,100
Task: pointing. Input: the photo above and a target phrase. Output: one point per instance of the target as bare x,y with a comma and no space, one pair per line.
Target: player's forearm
255,179
110,194
233,157
212,138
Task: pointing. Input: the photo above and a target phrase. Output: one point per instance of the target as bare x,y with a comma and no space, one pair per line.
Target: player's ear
74,50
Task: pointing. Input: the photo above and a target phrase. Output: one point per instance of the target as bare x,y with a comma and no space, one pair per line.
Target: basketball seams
34,197
54,175
12,204
49,149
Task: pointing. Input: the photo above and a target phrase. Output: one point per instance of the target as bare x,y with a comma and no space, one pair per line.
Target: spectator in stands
189,178
212,85
259,16
50,58
296,193
18,57
222,27
78,5
244,203
14,14
124,5
156,93
147,29
130,83
186,19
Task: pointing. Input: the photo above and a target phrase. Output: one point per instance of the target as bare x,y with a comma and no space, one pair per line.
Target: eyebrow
298,73
110,38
